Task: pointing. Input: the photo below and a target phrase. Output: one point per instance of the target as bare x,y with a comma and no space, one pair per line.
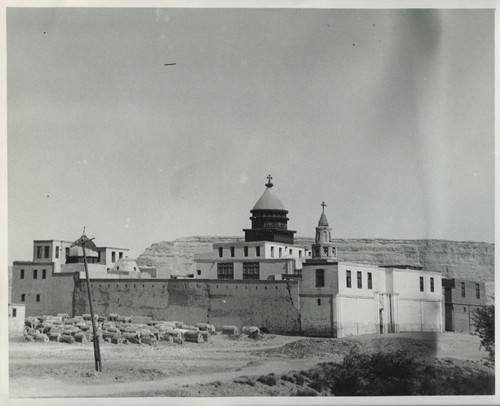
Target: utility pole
82,242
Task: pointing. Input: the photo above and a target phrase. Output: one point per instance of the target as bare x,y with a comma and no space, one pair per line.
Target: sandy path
24,387
53,370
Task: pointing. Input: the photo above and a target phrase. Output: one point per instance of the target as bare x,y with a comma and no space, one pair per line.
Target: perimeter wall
270,304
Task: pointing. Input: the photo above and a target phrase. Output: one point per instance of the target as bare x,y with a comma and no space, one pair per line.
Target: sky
386,115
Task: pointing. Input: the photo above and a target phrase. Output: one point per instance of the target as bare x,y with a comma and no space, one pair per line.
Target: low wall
358,315
270,304
318,315
419,315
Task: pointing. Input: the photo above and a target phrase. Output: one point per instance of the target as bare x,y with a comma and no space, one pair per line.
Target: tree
484,323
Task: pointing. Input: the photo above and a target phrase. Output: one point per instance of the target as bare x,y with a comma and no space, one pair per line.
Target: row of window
46,251
251,270
245,252
320,279
35,274
257,252
359,279
422,284
23,297
328,251
113,256
478,290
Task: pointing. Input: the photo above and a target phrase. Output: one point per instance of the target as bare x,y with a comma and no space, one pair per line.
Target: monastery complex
265,280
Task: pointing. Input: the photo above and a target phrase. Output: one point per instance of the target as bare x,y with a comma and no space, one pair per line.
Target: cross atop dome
323,204
269,219
269,179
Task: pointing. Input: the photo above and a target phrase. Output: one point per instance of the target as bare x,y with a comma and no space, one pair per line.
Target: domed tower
323,248
269,219
76,255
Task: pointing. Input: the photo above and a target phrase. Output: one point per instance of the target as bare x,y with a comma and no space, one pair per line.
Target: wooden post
97,351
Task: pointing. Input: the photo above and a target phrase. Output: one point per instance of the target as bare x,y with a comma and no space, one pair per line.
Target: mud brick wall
270,304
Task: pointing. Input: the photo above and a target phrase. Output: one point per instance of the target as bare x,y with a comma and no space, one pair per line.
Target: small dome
323,222
269,201
77,251
126,265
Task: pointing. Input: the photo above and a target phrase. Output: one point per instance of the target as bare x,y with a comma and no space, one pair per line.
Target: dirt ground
222,366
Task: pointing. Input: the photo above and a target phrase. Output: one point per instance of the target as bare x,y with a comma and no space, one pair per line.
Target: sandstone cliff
460,259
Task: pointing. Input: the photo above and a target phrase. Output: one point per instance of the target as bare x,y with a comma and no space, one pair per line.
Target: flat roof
69,242
113,248
257,243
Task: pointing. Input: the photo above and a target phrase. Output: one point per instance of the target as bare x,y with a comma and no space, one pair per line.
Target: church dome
77,251
269,219
125,265
269,200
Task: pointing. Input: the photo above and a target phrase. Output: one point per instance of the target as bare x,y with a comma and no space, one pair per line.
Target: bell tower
323,248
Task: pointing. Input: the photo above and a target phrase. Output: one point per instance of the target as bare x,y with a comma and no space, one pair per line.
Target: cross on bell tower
323,247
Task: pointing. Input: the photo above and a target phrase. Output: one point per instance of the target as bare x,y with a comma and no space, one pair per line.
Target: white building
340,298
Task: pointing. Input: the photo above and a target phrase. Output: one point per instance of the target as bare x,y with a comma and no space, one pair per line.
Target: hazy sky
386,115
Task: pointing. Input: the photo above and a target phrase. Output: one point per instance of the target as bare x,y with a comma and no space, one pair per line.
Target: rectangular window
120,255
35,273
257,251
319,302
44,273
320,278
421,284
67,252
57,252
251,270
272,252
370,283
245,251
348,279
360,281
23,297
99,256
198,272
232,252
14,312
478,291
300,253
280,252
333,251
38,297
22,274
290,251
221,252
39,252
463,288
225,270
47,249
113,256
432,284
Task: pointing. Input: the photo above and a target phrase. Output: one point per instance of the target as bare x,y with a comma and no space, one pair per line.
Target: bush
396,374
484,323
378,374
307,392
269,380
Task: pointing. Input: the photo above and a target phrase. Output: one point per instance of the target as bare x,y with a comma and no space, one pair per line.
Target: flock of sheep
123,330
